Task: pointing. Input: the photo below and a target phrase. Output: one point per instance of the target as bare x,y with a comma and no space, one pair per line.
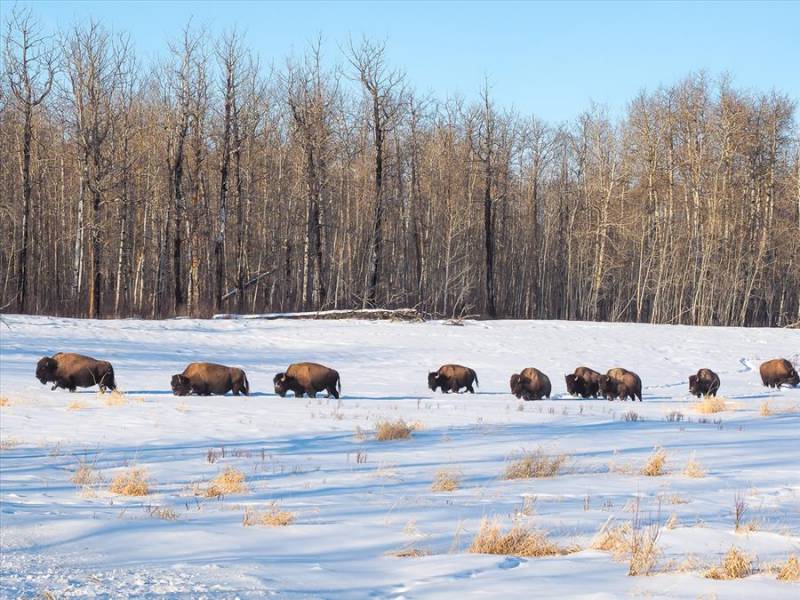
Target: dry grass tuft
165,513
654,467
230,481
672,522
615,540
535,464
114,398
517,541
710,405
85,475
735,565
446,481
393,430
694,468
410,552
764,410
274,517
4,401
133,482
77,405
790,570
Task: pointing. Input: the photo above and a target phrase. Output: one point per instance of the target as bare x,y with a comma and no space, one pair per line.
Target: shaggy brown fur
619,383
587,382
704,383
778,372
530,384
308,378
451,378
68,371
205,379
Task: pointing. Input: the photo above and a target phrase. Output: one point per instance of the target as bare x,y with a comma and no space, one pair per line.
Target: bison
451,378
777,372
704,383
308,378
530,384
620,383
68,371
583,382
205,379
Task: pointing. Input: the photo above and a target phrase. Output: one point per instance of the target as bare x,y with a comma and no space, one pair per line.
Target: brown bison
778,372
451,378
583,382
308,378
70,370
620,383
530,384
704,383
205,379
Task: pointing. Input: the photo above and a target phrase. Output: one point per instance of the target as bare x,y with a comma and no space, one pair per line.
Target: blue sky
548,59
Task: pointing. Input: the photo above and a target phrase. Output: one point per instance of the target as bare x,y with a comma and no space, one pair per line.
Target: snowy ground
357,500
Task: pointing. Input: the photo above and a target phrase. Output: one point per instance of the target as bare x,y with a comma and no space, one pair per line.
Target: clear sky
548,59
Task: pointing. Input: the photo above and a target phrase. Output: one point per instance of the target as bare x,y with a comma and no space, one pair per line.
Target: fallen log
375,314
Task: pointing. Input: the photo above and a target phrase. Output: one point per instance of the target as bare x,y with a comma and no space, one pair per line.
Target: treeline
211,183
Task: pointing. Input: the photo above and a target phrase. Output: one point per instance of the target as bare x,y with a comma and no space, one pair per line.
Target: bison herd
69,371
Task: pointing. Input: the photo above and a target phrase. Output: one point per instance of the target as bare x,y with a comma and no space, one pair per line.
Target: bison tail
246,384
475,375
338,383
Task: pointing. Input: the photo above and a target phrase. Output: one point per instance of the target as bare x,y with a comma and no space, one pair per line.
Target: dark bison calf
205,379
308,378
583,382
68,371
622,384
778,372
704,383
451,378
530,384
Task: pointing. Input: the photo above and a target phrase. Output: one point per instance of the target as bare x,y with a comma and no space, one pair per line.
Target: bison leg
332,391
470,389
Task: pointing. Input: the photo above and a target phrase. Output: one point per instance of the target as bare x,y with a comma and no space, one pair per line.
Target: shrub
446,481
230,481
517,541
535,464
84,475
735,565
133,482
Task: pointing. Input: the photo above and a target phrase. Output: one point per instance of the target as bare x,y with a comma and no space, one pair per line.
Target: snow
306,456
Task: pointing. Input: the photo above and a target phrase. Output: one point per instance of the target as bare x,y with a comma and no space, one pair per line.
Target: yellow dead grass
393,430
735,565
274,517
85,475
534,464
4,401
693,468
790,570
77,405
230,481
711,404
517,541
133,482
114,398
655,465
446,481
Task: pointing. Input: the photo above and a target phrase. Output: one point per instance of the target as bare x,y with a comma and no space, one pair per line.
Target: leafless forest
213,181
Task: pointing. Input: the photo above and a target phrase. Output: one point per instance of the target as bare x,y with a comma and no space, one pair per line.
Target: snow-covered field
357,502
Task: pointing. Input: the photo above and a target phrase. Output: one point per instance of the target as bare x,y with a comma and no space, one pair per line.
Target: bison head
606,386
433,380
181,386
794,379
513,383
46,369
572,384
282,383
694,385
